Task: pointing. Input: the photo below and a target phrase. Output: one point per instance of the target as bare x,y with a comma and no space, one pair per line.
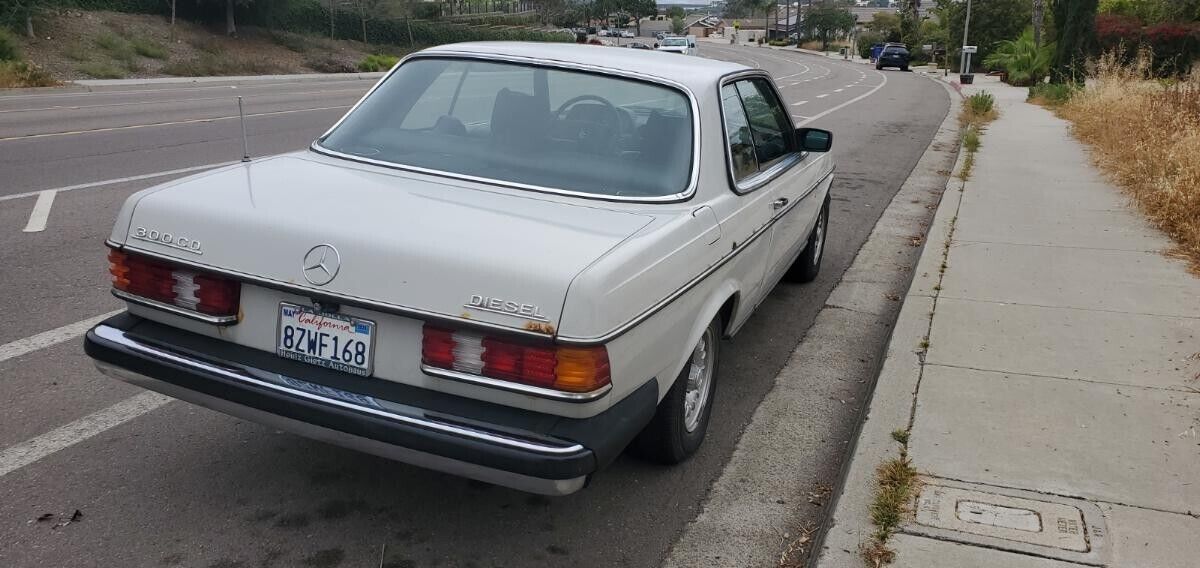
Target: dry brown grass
896,483
1145,134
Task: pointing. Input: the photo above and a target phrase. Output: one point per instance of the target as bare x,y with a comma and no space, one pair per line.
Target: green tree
992,21
1075,26
676,25
638,9
886,24
827,21
1153,11
676,12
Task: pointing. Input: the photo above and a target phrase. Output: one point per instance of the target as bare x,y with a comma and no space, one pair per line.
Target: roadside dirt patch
73,44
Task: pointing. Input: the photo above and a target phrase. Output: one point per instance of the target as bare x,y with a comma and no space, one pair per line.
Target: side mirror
814,139
692,45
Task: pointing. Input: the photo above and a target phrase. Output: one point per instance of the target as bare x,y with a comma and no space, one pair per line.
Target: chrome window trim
762,177
516,387
658,306
173,309
384,307
109,333
685,195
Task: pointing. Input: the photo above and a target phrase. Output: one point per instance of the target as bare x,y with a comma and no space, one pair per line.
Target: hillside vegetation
56,40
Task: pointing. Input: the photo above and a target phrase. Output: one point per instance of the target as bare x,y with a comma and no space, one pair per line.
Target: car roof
697,73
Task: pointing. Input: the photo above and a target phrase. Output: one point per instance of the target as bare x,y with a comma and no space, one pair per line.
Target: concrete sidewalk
1048,378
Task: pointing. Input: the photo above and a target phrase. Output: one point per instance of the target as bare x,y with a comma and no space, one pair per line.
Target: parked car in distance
508,261
679,44
603,33
893,56
627,34
659,35
637,45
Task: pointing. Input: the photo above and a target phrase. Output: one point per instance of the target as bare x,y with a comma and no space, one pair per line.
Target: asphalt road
183,486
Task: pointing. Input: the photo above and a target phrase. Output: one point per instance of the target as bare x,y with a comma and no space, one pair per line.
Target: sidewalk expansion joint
1069,247
1185,389
1101,310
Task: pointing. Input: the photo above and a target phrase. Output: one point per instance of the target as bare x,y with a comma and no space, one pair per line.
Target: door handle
779,203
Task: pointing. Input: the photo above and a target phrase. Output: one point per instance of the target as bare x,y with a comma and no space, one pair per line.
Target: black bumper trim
543,454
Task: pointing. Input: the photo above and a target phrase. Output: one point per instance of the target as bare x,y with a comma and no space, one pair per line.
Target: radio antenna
245,142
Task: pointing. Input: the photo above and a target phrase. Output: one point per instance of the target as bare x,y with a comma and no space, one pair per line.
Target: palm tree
1024,60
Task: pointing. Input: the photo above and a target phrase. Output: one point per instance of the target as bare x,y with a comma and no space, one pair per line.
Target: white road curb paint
50,338
798,103
41,212
29,451
151,175
172,123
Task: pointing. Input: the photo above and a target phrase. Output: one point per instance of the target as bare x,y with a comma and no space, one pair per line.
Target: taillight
153,279
570,369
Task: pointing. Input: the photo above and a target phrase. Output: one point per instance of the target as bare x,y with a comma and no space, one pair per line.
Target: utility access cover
1001,516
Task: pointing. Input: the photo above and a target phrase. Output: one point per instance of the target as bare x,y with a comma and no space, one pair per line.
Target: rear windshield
675,41
897,50
536,126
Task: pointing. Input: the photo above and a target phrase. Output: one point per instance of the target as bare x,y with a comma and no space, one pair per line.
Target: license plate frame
333,363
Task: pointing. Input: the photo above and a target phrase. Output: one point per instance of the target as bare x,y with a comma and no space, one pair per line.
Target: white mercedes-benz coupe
509,261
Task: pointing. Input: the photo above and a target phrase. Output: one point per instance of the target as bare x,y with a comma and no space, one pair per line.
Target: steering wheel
593,135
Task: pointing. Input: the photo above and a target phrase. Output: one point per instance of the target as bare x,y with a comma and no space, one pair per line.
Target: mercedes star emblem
321,264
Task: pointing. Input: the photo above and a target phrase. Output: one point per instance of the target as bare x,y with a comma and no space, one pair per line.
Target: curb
89,83
847,524
749,515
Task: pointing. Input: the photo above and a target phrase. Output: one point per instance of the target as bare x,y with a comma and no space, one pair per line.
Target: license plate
333,341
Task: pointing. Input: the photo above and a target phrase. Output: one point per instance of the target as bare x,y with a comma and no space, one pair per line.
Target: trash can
966,78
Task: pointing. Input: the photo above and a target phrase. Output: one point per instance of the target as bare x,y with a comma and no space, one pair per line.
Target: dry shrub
1145,134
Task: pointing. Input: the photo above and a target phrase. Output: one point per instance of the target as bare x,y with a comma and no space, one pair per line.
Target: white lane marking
798,116
244,86
798,103
50,338
174,101
822,96
34,449
41,212
172,123
838,90
121,180
849,102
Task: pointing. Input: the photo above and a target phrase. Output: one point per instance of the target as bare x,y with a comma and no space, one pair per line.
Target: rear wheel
678,426
879,67
806,266
904,68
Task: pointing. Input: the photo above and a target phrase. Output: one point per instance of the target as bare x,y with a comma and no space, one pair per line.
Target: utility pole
964,63
1039,8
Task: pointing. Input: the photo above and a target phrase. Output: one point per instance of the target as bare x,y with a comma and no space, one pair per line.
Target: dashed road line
172,123
822,96
50,338
34,449
100,183
41,212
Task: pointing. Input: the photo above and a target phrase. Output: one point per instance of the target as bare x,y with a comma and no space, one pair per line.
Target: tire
904,68
676,430
808,264
879,67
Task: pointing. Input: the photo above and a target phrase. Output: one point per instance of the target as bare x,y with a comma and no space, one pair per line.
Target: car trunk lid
454,249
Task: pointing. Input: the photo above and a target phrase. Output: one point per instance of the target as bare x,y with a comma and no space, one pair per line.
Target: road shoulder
750,516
